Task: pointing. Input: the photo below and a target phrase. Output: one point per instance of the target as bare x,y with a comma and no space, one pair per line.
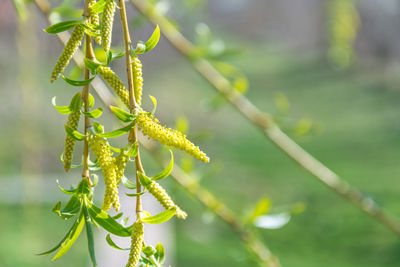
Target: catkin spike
69,145
165,200
166,136
137,79
115,83
120,162
69,50
107,163
136,244
94,20
107,24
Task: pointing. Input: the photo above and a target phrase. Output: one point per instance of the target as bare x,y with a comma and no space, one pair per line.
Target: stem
133,138
89,54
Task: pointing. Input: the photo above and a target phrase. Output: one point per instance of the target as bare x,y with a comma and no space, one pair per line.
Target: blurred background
326,70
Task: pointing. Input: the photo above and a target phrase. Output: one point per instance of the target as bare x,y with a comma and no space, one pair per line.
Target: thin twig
264,121
205,197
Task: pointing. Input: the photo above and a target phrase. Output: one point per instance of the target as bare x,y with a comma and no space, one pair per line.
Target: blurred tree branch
211,202
264,121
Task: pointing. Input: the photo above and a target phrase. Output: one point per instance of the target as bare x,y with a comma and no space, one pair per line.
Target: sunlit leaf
154,100
90,238
112,244
107,222
94,113
92,65
135,194
74,134
160,218
160,253
71,238
153,40
91,101
62,26
98,7
78,83
76,102
261,208
149,251
167,171
117,132
61,109
133,150
122,115
128,183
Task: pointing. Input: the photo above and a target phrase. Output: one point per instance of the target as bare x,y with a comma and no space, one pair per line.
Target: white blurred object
272,221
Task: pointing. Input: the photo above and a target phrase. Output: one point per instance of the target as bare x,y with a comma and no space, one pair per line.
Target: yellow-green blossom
166,136
107,24
69,50
137,79
115,83
72,122
120,162
136,244
94,20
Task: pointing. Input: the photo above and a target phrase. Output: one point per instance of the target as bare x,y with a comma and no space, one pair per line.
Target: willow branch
264,121
205,197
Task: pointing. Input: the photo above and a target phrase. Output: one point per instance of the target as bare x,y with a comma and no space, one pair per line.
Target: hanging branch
264,121
264,255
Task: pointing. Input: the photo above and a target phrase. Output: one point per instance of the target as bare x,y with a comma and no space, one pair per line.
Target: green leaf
144,180
167,171
74,134
107,222
108,57
91,101
119,215
122,115
113,245
94,113
62,26
149,251
128,183
98,7
61,109
92,65
161,217
71,208
117,132
153,40
76,102
135,194
133,150
90,239
160,253
261,208
71,238
95,180
78,83
154,100
115,149
98,128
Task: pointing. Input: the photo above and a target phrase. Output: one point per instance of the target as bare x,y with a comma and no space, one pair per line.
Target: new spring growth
137,79
115,83
120,163
166,136
94,20
107,24
107,163
69,50
161,195
69,145
136,244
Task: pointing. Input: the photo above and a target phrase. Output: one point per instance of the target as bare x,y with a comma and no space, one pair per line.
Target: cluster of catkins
113,167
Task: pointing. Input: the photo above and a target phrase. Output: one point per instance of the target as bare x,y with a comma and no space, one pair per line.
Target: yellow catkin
107,24
120,162
136,244
104,154
72,122
115,83
94,20
69,50
137,79
150,127
165,200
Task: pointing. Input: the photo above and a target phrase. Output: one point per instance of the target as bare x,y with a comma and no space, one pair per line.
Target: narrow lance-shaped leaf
74,134
91,65
152,41
154,100
117,132
76,102
161,217
78,83
160,253
107,222
113,245
90,239
61,109
167,171
128,183
98,7
62,26
122,115
71,238
94,113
